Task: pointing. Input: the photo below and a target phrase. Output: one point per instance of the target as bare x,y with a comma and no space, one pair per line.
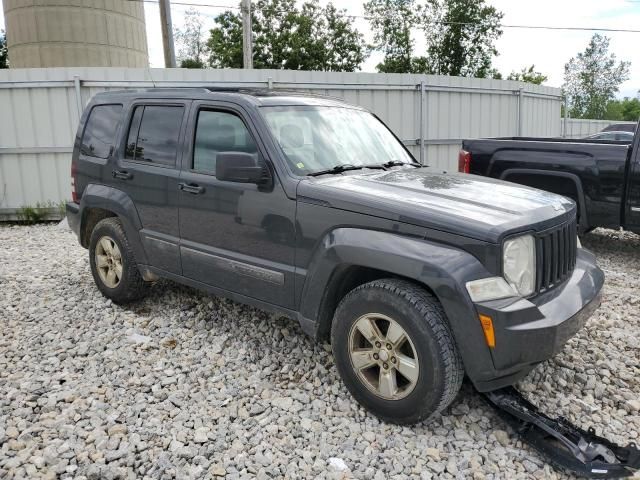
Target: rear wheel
113,264
395,352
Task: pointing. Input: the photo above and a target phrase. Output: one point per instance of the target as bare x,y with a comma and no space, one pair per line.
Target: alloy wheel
383,356
108,261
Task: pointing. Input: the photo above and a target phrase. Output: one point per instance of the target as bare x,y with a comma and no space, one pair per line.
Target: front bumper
529,331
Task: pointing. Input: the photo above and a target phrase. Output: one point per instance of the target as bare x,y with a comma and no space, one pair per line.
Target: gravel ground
186,385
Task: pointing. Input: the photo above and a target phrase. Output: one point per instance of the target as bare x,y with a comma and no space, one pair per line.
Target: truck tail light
464,161
74,172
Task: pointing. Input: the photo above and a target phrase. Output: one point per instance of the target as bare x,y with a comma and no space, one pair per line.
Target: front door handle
122,174
191,188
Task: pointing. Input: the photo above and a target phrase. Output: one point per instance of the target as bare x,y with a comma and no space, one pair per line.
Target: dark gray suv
313,208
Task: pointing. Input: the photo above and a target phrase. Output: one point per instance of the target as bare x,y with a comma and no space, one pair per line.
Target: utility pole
247,38
167,34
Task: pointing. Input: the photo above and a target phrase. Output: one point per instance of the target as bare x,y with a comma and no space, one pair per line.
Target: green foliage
192,46
4,54
592,78
627,109
42,211
191,63
460,36
29,214
529,75
392,22
225,41
311,37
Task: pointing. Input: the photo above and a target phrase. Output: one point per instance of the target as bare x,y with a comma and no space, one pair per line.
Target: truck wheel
395,351
113,265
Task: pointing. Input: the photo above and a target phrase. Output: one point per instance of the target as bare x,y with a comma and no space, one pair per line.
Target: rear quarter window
100,130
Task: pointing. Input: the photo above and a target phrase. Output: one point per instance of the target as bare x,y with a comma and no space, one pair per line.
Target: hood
478,207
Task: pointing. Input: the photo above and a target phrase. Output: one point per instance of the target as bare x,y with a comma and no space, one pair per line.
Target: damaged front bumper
564,445
530,331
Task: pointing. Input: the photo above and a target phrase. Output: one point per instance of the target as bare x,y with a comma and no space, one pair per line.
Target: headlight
519,264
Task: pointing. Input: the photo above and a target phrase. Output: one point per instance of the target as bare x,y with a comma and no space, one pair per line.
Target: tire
429,344
128,285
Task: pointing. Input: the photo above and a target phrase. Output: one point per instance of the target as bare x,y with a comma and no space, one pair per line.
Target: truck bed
591,172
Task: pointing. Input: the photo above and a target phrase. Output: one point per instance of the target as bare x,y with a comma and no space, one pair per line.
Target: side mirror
241,167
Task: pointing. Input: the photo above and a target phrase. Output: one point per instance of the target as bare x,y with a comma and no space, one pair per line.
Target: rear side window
153,134
100,131
217,132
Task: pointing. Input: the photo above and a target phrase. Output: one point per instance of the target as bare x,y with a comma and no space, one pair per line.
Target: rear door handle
122,174
191,188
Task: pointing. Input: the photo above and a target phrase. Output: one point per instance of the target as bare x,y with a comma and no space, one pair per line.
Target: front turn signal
487,328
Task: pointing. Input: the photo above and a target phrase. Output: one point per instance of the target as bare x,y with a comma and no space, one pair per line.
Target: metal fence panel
39,111
580,128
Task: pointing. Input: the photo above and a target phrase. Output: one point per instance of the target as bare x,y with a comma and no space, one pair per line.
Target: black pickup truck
602,177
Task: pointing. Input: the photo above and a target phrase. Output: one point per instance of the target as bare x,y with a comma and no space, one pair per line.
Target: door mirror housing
241,167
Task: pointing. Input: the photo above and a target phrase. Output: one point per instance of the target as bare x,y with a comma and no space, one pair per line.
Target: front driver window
216,132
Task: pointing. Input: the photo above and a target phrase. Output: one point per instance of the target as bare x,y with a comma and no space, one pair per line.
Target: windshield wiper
337,169
398,163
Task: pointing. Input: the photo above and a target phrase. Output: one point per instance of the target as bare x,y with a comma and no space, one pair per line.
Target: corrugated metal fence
580,128
39,111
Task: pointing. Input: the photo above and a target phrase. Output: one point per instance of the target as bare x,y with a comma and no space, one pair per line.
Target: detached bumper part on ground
563,444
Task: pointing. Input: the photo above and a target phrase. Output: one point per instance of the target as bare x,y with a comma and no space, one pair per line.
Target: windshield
315,139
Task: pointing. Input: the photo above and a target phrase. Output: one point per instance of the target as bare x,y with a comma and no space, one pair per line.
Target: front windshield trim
379,146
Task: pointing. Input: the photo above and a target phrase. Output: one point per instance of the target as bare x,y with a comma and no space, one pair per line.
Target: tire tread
430,309
136,287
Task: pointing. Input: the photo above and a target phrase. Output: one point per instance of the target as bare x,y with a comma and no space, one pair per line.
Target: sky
549,50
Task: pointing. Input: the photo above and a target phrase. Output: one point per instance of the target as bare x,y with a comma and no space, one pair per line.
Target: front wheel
395,351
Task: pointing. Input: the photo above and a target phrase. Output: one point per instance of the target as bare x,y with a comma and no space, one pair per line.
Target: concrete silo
76,33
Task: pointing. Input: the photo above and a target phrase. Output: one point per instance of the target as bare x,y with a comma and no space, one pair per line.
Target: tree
311,37
460,36
592,78
529,75
225,42
4,55
392,22
191,63
192,46
627,109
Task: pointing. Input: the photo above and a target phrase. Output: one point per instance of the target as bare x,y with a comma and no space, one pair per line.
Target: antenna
151,77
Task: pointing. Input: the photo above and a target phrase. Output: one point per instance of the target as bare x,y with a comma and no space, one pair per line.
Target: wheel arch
349,257
101,201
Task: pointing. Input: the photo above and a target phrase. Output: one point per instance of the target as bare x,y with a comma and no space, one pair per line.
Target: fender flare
572,177
443,269
118,202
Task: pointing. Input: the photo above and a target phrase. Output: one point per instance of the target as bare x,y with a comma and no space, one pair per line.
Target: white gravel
189,386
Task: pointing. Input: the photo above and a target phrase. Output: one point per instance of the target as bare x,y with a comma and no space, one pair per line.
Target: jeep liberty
312,208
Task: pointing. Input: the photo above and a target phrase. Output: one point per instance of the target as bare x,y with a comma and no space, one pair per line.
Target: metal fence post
566,118
76,84
423,120
520,103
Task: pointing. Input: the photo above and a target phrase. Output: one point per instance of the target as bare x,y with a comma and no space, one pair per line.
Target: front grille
556,250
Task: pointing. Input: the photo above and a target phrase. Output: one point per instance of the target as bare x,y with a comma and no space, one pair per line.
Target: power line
544,27
531,27
188,4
